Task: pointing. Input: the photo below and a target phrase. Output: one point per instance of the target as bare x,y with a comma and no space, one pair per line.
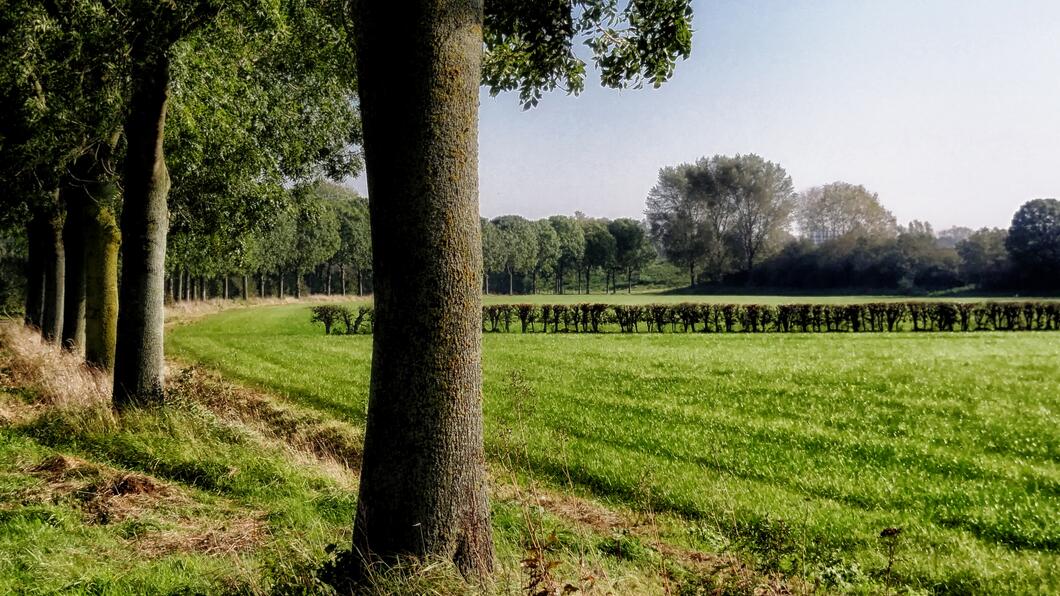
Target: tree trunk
423,479
35,278
280,275
297,285
54,278
328,282
691,274
342,278
360,283
138,360
261,279
202,287
511,282
246,287
226,287
102,241
629,280
73,335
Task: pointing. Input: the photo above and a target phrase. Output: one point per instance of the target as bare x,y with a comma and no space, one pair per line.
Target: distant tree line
735,220
318,242
521,254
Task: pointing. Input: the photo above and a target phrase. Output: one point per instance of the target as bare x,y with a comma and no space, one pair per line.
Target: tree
493,254
763,199
676,221
571,245
548,250
632,249
355,233
1033,243
423,484
519,242
952,236
983,258
600,249
833,210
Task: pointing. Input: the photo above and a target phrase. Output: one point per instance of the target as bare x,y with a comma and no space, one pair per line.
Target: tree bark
35,278
423,482
73,335
54,277
342,278
246,287
138,360
102,241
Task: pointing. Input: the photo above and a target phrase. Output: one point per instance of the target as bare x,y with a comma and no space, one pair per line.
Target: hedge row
784,318
730,318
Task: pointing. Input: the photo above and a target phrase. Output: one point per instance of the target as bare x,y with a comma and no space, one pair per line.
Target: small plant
889,537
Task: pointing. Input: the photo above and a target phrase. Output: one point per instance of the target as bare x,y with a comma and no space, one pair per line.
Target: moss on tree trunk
423,482
102,241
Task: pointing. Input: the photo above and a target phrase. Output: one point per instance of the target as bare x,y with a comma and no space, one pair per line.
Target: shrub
328,314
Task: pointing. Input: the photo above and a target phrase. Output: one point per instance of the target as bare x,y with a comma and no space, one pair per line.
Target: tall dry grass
46,373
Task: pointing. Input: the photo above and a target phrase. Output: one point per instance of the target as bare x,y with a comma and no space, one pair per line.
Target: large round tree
1033,243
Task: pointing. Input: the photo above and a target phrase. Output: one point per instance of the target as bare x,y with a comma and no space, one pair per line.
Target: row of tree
319,242
555,247
128,120
737,219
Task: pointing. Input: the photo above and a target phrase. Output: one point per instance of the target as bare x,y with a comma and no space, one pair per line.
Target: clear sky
949,109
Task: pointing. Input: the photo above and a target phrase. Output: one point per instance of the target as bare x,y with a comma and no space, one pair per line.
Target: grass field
796,449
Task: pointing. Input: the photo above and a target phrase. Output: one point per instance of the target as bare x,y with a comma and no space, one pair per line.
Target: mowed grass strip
804,445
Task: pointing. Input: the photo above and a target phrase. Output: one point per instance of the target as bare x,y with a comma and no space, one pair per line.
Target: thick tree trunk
138,360
35,278
246,287
73,335
423,481
102,241
54,278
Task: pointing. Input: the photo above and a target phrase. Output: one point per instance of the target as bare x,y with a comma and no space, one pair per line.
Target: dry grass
326,439
46,373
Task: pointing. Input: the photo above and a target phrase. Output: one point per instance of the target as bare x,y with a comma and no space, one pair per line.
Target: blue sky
950,110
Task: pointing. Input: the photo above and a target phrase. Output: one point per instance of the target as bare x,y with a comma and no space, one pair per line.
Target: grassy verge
230,490
795,451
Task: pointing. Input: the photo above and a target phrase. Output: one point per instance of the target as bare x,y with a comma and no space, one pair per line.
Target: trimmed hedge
354,320
876,317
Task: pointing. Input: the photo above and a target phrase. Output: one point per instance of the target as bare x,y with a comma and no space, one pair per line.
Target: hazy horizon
949,111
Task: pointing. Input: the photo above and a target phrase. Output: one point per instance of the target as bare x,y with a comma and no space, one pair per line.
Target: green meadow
794,450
